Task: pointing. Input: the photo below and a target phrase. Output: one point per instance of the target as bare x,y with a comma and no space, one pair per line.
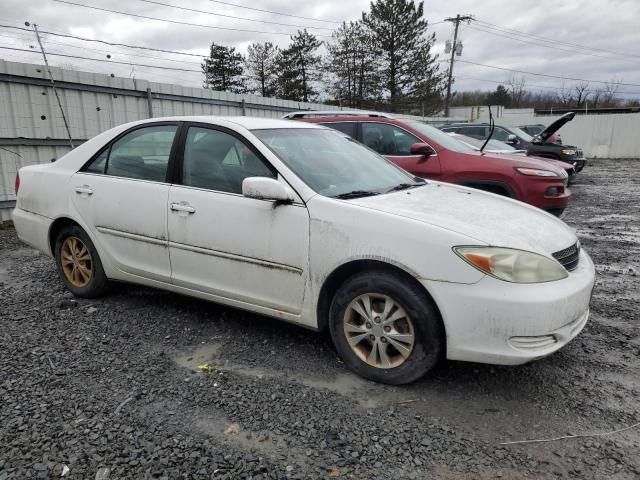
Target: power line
113,44
177,22
231,16
108,52
546,45
274,13
101,60
560,42
547,75
77,57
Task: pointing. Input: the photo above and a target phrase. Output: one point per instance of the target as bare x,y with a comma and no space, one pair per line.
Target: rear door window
349,128
142,154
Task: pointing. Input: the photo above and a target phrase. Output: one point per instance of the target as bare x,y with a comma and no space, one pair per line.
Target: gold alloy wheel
76,262
379,330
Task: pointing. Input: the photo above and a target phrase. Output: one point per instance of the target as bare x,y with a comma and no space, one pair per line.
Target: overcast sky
604,34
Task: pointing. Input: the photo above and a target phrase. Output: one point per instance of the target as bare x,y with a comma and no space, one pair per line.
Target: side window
500,134
350,128
475,132
218,161
142,154
387,139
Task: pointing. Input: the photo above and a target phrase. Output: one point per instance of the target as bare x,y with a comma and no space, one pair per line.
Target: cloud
601,26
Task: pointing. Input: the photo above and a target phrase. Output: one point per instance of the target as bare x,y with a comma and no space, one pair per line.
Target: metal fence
32,129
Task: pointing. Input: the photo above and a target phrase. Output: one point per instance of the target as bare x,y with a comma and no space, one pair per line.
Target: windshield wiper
404,186
356,194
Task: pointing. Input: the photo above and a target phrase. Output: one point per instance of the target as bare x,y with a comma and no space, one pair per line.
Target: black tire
428,331
98,282
556,211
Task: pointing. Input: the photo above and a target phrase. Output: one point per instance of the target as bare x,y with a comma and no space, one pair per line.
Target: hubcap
76,262
379,330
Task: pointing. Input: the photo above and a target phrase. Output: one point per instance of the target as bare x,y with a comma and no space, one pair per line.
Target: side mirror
263,188
422,149
512,140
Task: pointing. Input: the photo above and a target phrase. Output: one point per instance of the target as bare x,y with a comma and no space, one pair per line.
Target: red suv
428,152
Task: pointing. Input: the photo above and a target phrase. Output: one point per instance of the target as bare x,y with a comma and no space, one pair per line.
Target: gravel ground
112,389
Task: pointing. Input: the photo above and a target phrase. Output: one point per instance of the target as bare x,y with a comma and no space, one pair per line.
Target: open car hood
555,126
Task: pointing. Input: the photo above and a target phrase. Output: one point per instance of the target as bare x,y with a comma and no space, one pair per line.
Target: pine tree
299,65
223,70
351,55
499,97
409,72
261,66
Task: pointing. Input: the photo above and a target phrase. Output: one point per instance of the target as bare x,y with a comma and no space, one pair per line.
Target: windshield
332,163
521,133
440,137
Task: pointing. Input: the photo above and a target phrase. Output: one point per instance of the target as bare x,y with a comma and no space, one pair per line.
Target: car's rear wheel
78,263
386,328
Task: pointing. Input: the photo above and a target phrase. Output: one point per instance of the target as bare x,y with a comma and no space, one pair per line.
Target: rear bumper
505,323
32,229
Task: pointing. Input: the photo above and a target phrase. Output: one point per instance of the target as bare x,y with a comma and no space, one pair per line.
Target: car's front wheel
385,327
78,263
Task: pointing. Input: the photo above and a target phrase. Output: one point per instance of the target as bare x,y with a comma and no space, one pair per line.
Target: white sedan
302,223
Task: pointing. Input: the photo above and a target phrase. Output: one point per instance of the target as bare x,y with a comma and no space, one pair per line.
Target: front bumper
578,162
504,323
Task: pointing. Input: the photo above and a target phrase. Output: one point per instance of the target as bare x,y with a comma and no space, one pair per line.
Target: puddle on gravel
201,355
347,384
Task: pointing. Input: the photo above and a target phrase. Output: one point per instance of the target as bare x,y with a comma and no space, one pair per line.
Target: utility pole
455,48
53,84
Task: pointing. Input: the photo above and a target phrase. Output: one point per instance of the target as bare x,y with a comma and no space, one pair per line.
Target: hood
568,167
484,217
555,126
507,152
526,161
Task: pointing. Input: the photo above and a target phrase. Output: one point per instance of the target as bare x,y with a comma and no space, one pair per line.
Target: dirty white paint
273,259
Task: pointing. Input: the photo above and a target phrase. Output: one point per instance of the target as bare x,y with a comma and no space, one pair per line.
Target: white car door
121,195
222,243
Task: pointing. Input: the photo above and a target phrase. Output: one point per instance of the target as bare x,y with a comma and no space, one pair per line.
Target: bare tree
565,95
610,90
517,90
582,93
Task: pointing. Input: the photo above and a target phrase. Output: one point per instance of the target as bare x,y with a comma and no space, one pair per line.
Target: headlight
568,151
511,265
534,172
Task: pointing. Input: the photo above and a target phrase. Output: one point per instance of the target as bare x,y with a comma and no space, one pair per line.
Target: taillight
17,182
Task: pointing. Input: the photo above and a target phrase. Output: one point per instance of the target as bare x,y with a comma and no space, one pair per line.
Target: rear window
349,128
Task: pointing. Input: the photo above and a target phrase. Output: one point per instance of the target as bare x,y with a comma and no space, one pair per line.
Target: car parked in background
540,145
498,147
304,224
537,128
427,152
509,135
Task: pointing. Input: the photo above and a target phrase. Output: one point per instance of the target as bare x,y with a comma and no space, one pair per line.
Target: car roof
250,123
334,113
353,118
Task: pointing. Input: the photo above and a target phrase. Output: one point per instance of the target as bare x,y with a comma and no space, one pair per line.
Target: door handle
182,207
84,190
